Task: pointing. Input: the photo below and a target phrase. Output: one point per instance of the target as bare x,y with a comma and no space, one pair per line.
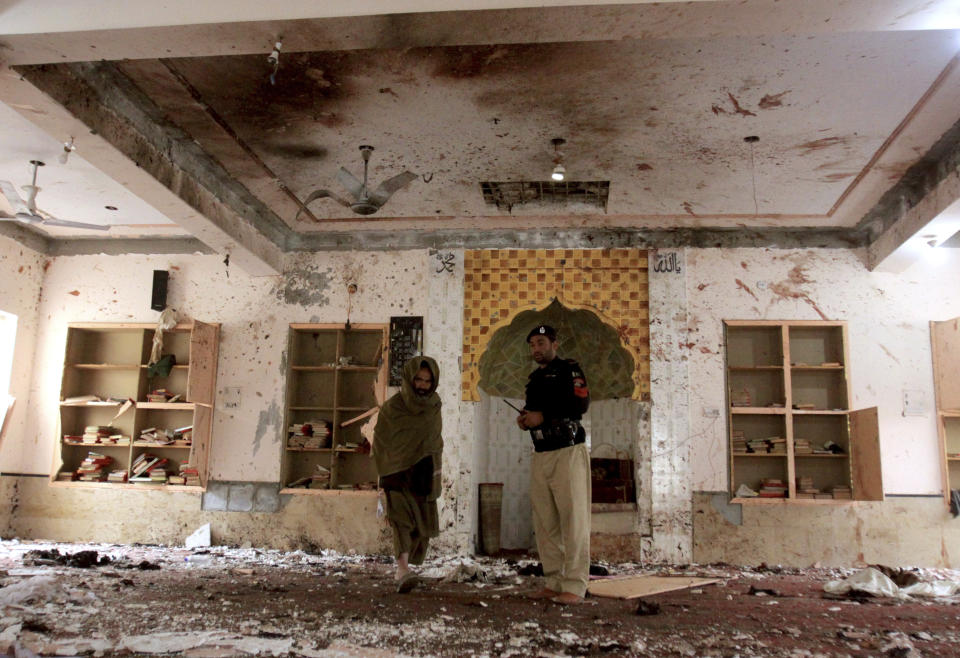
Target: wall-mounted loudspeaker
158,301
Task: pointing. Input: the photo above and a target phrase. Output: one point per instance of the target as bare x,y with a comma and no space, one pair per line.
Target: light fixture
559,172
273,60
68,148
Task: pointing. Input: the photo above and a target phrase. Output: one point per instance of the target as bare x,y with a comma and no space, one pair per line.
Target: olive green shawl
408,427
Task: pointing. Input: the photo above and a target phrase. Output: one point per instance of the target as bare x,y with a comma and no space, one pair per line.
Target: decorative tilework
611,283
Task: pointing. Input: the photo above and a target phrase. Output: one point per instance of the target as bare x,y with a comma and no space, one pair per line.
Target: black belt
562,433
549,445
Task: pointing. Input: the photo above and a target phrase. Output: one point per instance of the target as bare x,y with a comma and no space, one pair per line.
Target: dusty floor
151,600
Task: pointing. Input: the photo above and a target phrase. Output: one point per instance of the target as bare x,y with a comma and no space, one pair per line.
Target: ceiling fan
364,201
26,211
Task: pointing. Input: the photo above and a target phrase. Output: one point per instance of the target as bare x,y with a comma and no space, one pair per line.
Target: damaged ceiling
851,108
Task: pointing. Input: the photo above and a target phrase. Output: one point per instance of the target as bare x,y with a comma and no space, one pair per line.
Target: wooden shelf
792,501
99,446
803,364
111,358
180,488
758,410
319,388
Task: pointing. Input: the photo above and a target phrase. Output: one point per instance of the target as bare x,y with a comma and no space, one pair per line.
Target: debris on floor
222,601
874,582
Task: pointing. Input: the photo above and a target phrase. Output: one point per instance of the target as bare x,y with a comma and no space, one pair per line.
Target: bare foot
545,593
567,598
407,582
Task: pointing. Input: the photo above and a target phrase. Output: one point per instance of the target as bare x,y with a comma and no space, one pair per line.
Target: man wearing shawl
407,449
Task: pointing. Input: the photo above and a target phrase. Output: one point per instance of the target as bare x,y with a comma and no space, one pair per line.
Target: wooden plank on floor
633,587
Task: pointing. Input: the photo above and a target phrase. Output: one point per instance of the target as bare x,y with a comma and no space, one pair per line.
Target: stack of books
93,467
842,492
94,433
805,488
148,468
772,488
116,440
162,395
312,435
802,447
189,475
738,442
773,445
117,476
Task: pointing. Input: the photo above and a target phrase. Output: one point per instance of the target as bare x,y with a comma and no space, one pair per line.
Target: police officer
557,397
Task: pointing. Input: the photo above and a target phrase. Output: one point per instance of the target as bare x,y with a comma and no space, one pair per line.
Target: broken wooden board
633,587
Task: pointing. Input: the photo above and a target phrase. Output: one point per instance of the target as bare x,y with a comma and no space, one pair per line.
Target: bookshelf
105,405
336,375
945,348
792,436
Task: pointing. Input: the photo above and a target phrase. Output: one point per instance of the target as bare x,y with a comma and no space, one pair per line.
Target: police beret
542,330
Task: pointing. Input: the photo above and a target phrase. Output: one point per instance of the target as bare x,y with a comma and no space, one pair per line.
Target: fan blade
321,194
53,221
349,181
16,202
385,189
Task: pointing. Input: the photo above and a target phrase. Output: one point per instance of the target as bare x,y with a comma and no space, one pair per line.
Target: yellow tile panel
501,283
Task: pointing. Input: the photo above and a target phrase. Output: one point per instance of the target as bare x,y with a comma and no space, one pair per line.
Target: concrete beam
118,246
927,189
152,158
27,237
788,238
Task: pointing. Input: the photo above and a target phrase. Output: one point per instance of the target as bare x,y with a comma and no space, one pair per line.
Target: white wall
889,335
21,274
254,314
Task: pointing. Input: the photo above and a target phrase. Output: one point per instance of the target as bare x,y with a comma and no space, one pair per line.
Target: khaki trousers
560,497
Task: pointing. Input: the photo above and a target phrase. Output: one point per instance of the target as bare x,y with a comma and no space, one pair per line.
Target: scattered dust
252,602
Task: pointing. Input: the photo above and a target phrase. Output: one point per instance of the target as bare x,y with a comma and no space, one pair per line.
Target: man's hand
530,419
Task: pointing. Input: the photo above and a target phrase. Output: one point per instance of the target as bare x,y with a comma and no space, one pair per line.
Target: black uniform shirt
558,390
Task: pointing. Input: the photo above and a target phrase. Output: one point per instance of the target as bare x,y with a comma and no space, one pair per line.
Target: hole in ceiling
507,195
110,207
